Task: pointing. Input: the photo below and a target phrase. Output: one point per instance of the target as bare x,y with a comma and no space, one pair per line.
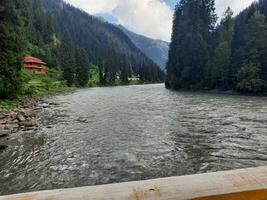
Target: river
116,134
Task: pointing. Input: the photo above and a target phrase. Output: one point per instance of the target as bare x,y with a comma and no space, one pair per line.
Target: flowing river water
107,135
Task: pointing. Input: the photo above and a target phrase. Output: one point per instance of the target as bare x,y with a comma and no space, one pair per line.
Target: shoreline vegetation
229,55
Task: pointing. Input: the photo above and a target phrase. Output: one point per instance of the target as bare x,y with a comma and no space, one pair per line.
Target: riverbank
215,91
20,113
19,118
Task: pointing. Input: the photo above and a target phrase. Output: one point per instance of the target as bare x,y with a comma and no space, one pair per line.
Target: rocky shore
21,118
24,118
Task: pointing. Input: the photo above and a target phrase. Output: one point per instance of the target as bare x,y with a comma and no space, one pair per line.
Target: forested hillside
230,55
69,40
156,50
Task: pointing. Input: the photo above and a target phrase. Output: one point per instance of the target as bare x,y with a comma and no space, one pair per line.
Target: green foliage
221,66
6,106
231,56
193,24
67,59
219,75
94,79
104,43
253,55
82,67
12,45
35,85
248,78
125,71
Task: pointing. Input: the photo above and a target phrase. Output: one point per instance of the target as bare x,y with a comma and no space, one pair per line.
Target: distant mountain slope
94,34
156,50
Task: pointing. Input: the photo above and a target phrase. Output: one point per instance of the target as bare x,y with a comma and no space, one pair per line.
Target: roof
30,59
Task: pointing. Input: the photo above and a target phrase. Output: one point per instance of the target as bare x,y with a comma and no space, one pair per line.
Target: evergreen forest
207,54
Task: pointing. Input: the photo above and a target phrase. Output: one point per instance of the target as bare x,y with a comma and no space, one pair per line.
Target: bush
249,80
9,90
34,84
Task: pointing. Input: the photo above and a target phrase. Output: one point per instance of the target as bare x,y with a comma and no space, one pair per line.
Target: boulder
20,117
28,123
3,121
11,126
28,113
45,105
4,132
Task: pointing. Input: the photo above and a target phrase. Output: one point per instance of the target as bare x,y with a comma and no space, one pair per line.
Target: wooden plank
251,181
252,195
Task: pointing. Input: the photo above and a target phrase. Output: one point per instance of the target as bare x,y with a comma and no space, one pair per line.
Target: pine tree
67,59
12,45
82,67
220,69
250,77
194,21
142,71
125,70
101,71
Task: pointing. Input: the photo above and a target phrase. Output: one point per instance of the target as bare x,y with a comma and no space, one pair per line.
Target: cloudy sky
152,18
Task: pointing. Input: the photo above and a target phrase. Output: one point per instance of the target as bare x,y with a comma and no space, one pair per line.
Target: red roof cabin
34,64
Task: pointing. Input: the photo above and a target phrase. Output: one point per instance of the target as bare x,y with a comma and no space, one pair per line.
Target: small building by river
35,65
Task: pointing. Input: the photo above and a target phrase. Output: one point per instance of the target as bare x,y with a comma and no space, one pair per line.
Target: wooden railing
244,184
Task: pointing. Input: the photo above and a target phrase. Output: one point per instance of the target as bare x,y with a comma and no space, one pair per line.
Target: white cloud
236,5
148,17
152,18
95,6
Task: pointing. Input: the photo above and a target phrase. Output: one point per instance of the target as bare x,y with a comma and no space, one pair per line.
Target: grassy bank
34,86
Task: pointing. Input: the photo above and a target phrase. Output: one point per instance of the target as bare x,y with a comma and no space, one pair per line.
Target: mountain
156,50
91,33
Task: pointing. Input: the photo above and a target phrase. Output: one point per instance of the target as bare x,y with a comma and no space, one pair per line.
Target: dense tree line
66,38
12,37
231,55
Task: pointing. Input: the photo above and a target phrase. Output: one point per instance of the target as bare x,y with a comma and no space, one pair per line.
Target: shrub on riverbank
35,85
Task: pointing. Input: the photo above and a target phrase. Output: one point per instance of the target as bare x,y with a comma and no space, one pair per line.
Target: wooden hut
35,65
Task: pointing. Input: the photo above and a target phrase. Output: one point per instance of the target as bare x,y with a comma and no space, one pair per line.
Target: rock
45,105
2,148
38,108
12,115
15,121
4,132
11,126
82,120
28,124
28,113
20,117
3,121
